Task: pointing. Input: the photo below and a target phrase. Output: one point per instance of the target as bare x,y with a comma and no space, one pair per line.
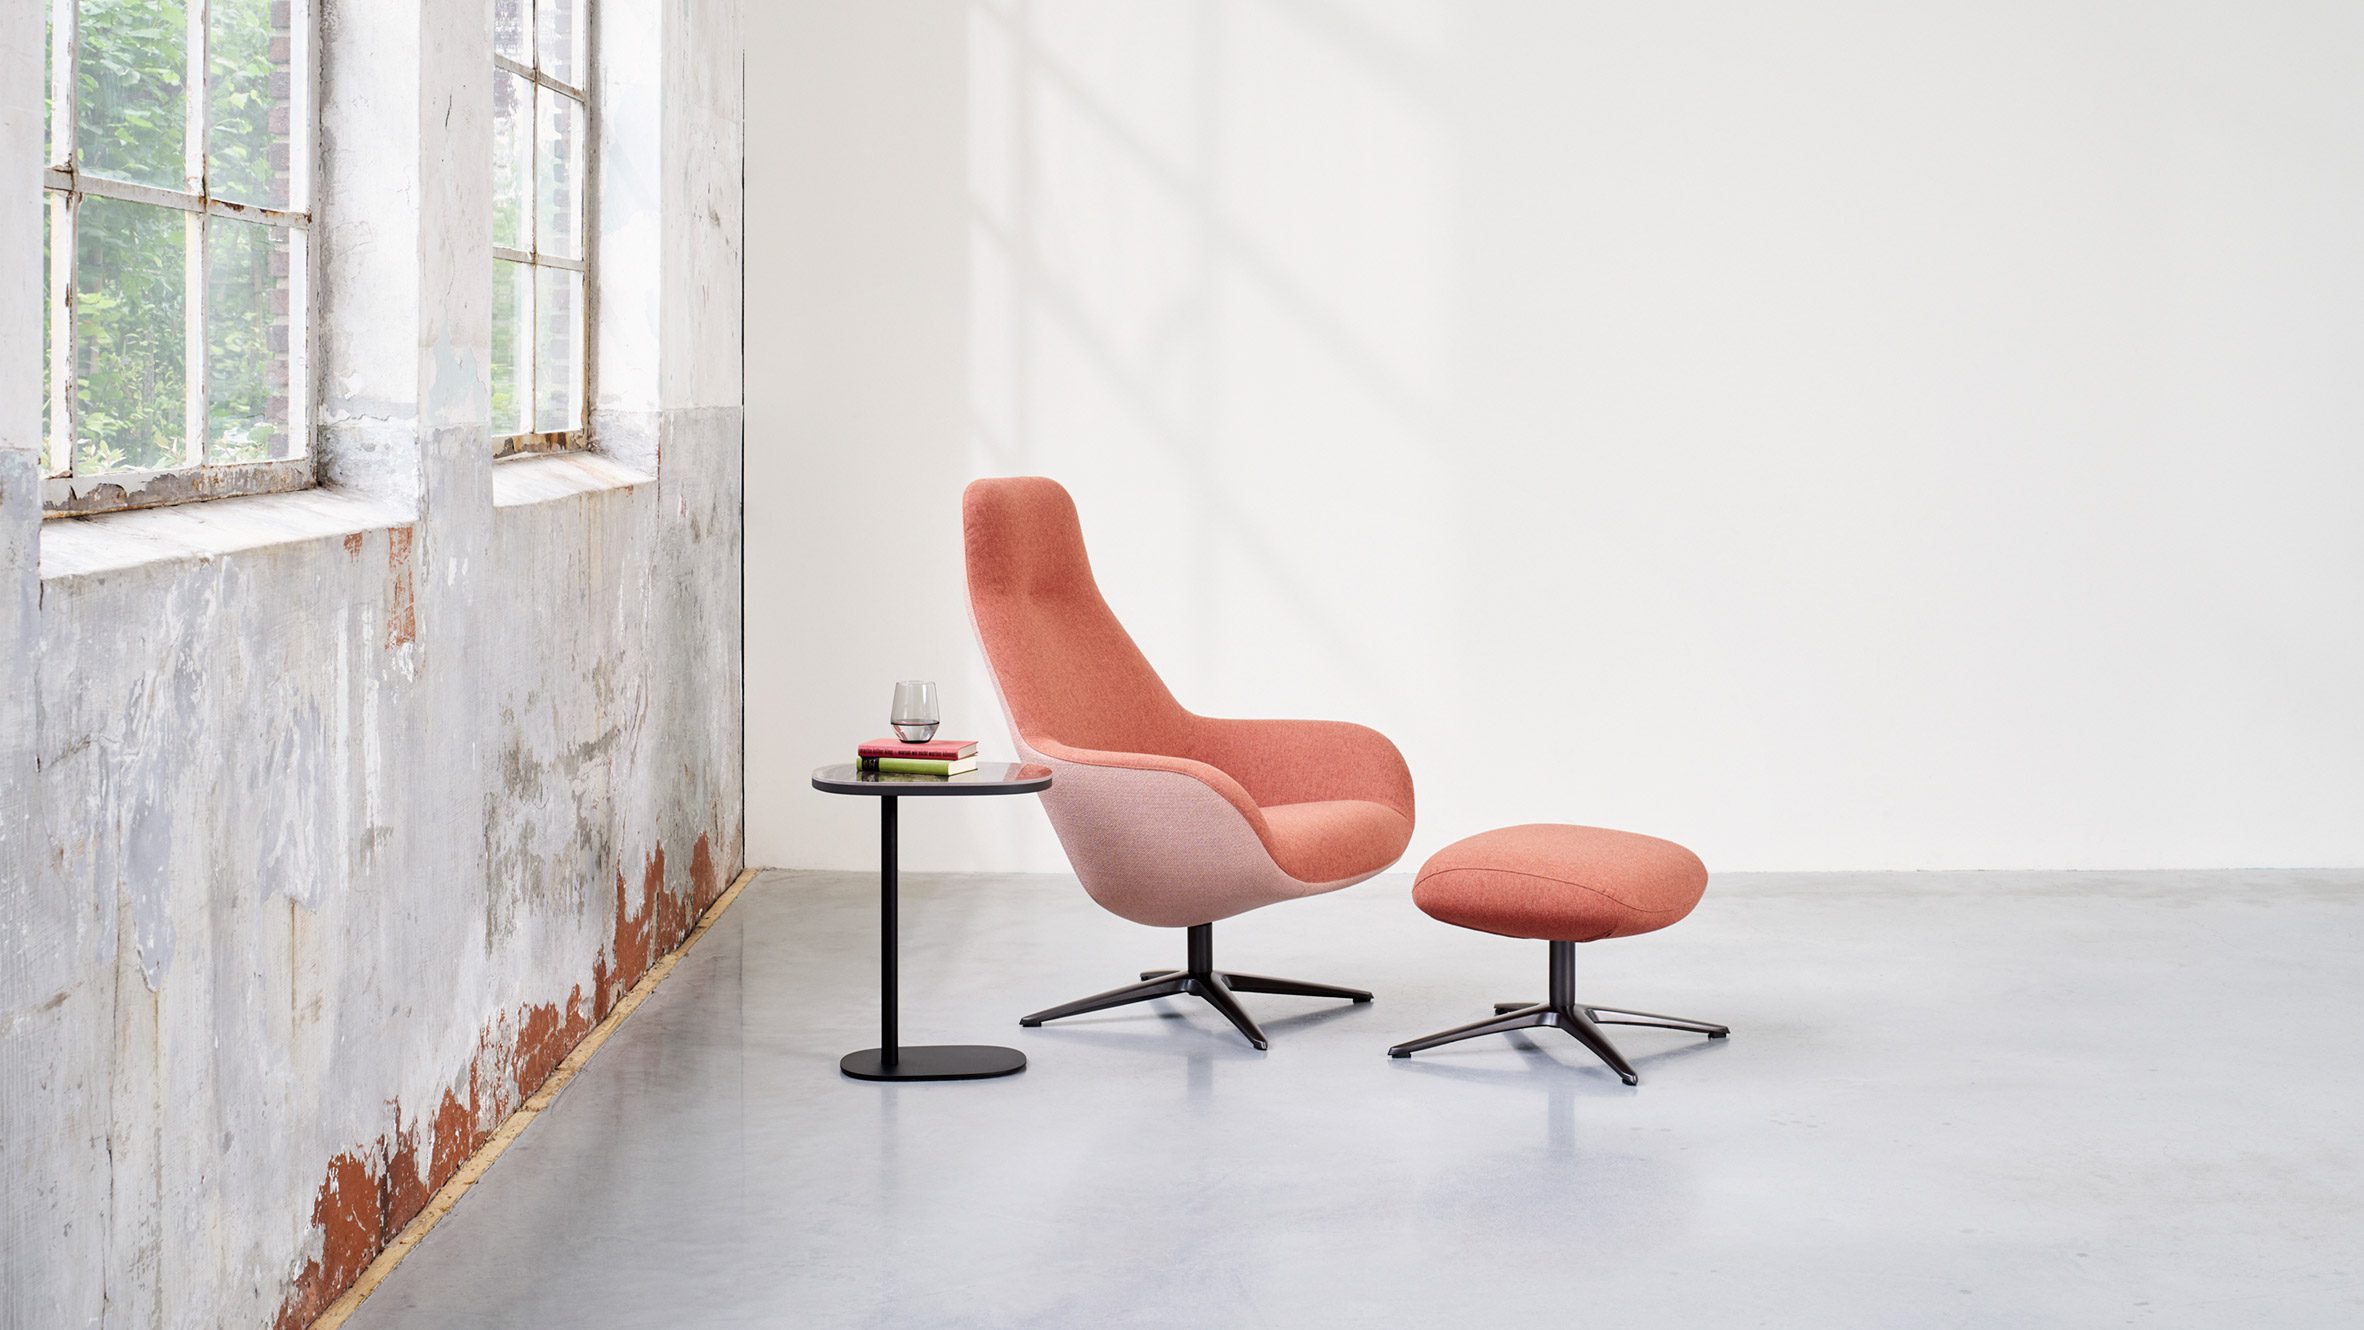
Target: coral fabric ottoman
1562,885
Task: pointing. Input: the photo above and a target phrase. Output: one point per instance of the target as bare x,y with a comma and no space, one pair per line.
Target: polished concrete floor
1948,1100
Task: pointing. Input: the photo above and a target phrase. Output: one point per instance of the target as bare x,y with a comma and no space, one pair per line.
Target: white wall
1856,435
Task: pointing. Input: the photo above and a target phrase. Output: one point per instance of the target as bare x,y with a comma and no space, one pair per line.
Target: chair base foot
1563,1011
1201,980
1258,983
1615,1016
1510,1017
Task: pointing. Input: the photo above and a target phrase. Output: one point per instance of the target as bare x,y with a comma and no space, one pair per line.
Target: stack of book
937,757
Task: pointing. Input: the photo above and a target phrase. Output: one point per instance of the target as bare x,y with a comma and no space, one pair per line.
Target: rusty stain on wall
705,879
371,1192
402,618
346,1215
634,947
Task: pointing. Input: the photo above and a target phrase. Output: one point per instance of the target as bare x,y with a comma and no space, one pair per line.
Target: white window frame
529,316
64,185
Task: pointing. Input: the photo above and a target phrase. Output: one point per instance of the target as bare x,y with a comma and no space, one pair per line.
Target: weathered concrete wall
330,821
48,1159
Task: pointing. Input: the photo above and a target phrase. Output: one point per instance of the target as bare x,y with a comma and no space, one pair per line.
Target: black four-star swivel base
1200,979
1566,1013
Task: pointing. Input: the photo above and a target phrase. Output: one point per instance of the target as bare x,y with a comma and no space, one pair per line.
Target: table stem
890,1054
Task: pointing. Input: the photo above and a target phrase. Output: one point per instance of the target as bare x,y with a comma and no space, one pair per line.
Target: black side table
890,1061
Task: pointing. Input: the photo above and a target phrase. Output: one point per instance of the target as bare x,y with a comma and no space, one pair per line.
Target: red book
934,750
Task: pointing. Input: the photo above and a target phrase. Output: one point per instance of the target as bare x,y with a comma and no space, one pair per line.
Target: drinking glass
915,716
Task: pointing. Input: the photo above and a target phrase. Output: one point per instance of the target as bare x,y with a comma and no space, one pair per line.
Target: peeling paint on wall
706,880
348,1220
402,616
372,1191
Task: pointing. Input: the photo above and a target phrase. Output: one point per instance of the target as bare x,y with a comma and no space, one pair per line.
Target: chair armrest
1298,761
1211,776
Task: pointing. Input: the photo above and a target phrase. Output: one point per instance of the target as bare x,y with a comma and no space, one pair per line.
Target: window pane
52,151
249,100
253,285
133,121
558,361
559,175
130,387
513,30
53,216
513,163
560,43
512,309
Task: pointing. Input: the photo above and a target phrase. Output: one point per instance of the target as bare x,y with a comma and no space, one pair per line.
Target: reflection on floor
1948,1099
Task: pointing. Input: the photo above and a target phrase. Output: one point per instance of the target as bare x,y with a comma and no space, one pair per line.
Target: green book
918,766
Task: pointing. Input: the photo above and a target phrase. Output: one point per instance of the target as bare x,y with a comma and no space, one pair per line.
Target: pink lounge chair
1170,819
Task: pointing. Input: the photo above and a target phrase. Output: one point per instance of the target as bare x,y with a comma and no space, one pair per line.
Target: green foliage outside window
131,283
541,132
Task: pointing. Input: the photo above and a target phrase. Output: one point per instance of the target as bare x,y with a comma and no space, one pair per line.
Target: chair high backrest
1069,672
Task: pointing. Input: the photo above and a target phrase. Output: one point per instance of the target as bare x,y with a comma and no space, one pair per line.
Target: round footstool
1563,885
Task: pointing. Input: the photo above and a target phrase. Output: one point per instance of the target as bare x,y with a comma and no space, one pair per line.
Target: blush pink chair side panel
1160,847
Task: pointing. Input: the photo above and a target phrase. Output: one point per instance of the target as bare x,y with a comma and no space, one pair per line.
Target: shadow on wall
1246,278
1234,366
1742,425
1709,399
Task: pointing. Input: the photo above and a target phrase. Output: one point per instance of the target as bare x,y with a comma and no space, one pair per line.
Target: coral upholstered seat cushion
1324,840
1562,883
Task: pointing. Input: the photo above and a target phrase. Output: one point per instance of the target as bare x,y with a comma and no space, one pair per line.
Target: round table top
988,778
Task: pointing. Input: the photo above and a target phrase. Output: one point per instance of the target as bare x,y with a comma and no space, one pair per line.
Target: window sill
93,496
531,478
112,542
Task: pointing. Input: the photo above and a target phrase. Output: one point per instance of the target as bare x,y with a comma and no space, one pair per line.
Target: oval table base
934,1062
